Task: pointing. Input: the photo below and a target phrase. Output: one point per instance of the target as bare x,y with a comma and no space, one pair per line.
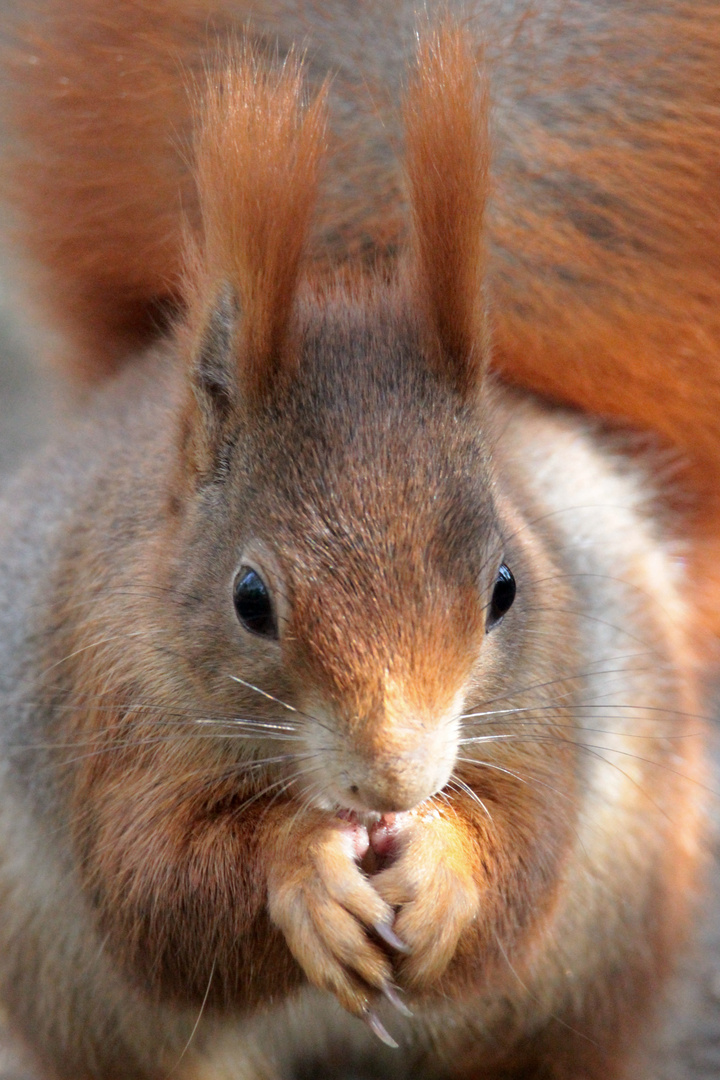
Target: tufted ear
257,160
447,161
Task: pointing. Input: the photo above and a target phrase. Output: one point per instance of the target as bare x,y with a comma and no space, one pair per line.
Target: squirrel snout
391,769
390,790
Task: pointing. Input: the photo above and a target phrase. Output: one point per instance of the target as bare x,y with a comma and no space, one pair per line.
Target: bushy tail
100,110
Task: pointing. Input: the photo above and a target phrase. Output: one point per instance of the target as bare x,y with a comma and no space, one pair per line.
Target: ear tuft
447,161
257,162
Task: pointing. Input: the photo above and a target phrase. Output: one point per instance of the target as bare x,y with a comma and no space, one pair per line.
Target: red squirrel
350,695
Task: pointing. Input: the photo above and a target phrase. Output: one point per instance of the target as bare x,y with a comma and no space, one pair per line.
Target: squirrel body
330,665
627,824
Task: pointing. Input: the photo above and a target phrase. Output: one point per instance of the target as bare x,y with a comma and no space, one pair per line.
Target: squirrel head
336,493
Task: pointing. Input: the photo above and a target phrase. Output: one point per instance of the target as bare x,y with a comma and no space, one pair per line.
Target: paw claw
396,1001
388,935
377,1028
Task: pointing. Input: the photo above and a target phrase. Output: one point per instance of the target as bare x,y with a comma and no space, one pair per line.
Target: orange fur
109,262
257,161
447,159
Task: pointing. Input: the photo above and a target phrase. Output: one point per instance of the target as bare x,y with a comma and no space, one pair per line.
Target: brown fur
539,900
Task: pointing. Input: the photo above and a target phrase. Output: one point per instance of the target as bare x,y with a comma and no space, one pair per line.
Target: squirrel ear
214,377
447,159
257,161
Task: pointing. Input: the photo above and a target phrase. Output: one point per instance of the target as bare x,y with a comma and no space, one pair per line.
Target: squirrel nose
370,800
388,763
385,788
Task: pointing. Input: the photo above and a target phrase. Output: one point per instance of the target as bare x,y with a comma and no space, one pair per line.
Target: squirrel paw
431,880
326,908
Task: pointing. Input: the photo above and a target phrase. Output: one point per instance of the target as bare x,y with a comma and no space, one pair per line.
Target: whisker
622,630
279,787
278,701
262,726
93,645
474,739
560,680
523,779
225,735
621,705
265,694
598,751
196,1024
252,763
174,714
456,782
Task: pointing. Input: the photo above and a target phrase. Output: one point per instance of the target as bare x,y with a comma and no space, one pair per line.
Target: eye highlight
502,597
253,605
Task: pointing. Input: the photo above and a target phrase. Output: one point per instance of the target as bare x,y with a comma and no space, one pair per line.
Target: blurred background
27,416
27,399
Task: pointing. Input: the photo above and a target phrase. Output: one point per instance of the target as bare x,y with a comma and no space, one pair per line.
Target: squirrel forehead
364,379
368,438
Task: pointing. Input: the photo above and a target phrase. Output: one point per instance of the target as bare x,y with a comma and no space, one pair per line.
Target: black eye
502,597
252,603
